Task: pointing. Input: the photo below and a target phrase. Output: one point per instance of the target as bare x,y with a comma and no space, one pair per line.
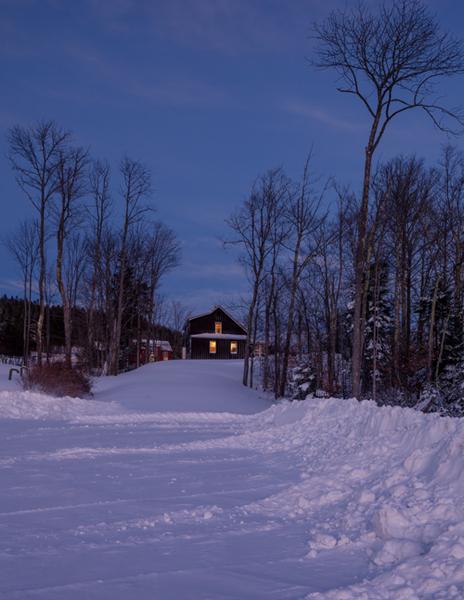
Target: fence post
10,374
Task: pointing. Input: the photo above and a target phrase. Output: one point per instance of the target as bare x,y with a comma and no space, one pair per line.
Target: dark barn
215,335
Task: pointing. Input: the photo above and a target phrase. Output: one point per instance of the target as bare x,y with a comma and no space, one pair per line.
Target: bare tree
331,270
72,180
269,293
135,189
74,268
451,207
179,313
302,216
405,188
50,295
23,247
391,61
109,252
34,154
163,253
98,213
254,228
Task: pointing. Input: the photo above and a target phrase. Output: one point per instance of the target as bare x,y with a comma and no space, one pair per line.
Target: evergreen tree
378,327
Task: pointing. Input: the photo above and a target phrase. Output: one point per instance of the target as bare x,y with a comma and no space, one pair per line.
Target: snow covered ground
225,497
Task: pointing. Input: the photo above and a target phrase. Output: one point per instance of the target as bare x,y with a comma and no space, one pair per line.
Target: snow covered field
119,497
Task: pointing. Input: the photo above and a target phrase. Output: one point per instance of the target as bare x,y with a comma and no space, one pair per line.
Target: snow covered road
116,498
141,525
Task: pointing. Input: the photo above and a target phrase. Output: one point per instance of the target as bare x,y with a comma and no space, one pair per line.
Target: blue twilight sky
207,93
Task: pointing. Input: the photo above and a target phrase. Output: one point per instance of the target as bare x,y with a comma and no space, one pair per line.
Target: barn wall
205,324
200,349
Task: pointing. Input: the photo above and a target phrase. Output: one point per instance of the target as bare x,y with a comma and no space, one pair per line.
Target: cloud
315,113
195,94
228,27
224,26
177,92
11,286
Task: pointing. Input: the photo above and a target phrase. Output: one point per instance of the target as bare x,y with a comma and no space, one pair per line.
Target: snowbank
389,480
194,390
32,405
18,404
385,483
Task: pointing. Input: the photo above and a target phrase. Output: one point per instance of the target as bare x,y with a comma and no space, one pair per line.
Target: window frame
212,344
233,343
218,327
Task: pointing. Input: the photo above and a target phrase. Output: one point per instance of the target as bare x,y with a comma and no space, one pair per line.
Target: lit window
218,327
212,347
233,347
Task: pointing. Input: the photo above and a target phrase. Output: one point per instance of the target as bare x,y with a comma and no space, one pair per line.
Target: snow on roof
163,344
219,336
218,306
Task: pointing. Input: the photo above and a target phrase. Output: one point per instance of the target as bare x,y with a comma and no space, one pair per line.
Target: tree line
100,253
365,290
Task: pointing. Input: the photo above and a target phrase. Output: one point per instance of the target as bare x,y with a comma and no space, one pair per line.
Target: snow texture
174,481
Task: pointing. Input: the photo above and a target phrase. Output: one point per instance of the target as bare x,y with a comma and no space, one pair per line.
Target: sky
207,93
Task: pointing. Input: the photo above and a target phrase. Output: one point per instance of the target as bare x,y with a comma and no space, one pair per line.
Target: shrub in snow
321,394
446,396
58,379
451,384
302,381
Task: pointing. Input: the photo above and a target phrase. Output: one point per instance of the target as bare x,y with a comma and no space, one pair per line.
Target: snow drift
34,406
385,483
388,479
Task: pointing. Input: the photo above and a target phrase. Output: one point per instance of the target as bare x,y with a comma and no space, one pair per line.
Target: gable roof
218,306
164,345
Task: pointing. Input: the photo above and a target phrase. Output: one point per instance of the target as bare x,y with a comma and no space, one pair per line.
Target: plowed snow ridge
325,498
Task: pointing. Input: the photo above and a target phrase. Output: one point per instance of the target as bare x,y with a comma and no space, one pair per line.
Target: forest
353,293
91,257
361,294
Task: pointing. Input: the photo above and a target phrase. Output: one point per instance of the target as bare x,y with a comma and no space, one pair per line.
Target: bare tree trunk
250,329
25,318
397,317
253,342
267,331
64,300
432,330
332,352
47,333
442,346
290,319
29,314
277,375
360,265
407,356
139,340
375,329
42,273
